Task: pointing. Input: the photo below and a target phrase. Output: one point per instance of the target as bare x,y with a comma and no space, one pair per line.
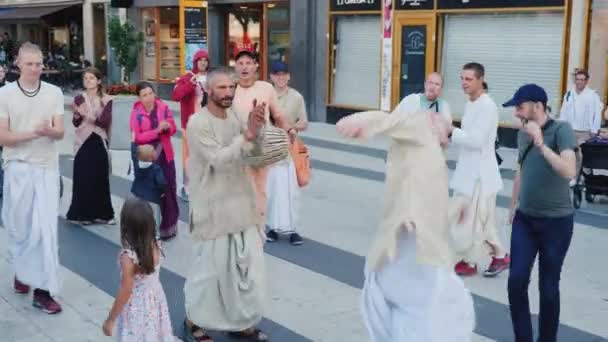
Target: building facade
352,55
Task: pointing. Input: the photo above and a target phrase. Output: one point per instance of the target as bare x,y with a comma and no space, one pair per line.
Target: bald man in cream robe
411,293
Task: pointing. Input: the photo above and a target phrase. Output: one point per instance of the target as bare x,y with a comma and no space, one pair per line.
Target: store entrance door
414,53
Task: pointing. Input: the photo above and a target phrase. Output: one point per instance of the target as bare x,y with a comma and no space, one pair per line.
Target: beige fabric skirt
225,287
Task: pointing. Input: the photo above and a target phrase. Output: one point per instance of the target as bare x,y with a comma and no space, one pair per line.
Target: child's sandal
196,333
254,335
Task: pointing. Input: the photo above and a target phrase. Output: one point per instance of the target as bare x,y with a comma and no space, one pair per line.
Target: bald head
433,86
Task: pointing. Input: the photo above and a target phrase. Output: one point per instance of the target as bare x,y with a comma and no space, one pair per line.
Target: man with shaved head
224,289
31,122
429,100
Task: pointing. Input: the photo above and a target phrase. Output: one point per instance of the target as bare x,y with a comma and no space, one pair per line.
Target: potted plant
126,44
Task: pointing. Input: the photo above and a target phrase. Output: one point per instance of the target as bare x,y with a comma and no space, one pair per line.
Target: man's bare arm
8,138
564,163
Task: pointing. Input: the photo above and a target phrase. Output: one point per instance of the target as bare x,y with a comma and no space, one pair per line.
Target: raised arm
398,125
184,88
105,119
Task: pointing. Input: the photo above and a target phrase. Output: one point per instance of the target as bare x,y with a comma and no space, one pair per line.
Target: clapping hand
164,126
257,118
44,129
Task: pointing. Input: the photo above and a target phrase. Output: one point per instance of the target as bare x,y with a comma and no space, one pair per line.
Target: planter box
121,114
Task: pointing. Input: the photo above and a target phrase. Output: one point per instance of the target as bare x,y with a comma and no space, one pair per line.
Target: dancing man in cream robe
224,288
31,121
411,294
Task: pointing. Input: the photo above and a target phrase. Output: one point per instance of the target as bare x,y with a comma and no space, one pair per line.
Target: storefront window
161,55
278,33
515,58
356,62
169,44
149,55
243,30
598,51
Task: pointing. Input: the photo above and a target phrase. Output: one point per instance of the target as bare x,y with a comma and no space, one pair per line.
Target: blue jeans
550,239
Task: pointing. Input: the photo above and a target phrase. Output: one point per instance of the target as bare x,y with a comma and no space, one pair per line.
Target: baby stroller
595,157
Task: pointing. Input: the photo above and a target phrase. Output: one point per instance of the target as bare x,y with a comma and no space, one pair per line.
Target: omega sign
356,5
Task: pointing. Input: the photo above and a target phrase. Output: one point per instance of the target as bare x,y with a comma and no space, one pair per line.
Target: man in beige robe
411,293
224,288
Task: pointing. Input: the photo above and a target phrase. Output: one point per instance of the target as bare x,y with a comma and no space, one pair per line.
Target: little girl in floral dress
140,308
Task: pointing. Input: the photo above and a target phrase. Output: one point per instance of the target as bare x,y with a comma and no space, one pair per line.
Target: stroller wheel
577,197
589,197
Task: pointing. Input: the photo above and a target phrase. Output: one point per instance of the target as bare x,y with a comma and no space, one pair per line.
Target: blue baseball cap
279,66
527,93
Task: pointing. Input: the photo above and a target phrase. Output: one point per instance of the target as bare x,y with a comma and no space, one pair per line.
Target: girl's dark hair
137,232
143,85
98,75
485,86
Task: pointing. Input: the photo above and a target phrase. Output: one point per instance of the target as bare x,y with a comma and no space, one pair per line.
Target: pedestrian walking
153,124
248,89
477,178
282,183
190,91
92,118
226,284
31,122
140,311
541,211
582,109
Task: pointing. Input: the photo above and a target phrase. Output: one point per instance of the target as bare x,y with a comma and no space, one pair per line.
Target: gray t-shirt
543,192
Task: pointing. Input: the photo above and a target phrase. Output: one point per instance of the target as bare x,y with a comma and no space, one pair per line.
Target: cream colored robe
416,191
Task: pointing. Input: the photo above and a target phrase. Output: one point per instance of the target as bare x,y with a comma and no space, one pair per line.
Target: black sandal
256,335
195,329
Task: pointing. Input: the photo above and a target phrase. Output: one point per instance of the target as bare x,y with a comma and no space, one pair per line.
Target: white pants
283,197
29,212
410,302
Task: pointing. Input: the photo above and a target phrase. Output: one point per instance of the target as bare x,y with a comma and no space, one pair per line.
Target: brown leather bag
301,160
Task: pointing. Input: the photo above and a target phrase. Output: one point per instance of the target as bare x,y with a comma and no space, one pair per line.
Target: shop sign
195,33
464,4
356,5
414,4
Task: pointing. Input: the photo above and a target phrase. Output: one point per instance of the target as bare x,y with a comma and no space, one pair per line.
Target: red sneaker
464,269
497,266
20,287
46,303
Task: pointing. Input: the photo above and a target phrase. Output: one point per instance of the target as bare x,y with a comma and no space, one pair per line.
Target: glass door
414,53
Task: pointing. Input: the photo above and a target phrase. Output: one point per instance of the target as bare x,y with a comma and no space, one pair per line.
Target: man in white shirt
582,109
477,177
31,121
